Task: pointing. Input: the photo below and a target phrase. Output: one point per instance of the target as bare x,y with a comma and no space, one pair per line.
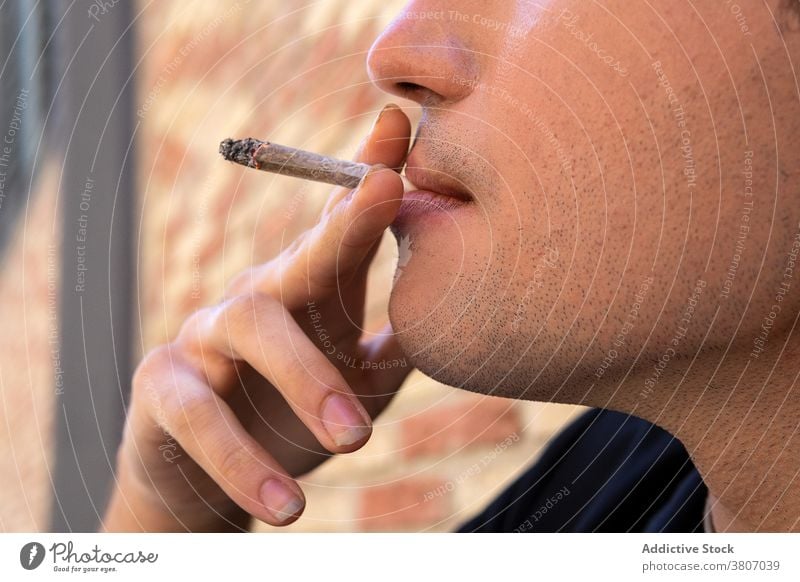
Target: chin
451,331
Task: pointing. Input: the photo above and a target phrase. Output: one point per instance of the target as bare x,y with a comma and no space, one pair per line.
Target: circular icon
31,555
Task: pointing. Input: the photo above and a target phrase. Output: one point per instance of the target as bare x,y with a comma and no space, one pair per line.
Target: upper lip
432,180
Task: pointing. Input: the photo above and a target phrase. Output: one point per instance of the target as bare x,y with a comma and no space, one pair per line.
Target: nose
423,58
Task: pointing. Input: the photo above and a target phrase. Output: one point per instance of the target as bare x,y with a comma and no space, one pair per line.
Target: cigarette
287,161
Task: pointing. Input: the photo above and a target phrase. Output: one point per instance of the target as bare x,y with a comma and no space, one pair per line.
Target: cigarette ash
240,150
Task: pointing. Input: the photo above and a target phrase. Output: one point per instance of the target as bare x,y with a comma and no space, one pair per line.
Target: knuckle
244,281
292,251
204,332
190,413
156,362
195,327
238,309
216,329
236,461
308,368
153,387
245,310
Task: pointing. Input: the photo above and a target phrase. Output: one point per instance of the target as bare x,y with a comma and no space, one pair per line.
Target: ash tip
239,150
226,149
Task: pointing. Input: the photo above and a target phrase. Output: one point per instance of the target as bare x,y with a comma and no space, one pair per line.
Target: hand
266,385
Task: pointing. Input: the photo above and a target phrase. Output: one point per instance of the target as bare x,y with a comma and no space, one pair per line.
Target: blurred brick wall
28,356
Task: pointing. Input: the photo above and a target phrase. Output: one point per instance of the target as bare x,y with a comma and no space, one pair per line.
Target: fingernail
343,422
381,114
281,501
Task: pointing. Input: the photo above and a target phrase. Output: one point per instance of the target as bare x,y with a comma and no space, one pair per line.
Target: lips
437,193
432,180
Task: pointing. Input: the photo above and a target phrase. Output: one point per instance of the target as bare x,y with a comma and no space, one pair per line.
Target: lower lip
420,204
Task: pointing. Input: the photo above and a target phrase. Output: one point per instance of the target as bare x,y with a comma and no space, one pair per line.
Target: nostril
415,92
407,87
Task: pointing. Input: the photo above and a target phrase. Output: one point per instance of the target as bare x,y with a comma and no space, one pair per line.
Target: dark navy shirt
605,472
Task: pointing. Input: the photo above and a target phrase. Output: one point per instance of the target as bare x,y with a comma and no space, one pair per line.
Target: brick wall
28,337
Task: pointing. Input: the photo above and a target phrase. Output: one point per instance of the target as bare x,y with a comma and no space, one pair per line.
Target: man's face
627,164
